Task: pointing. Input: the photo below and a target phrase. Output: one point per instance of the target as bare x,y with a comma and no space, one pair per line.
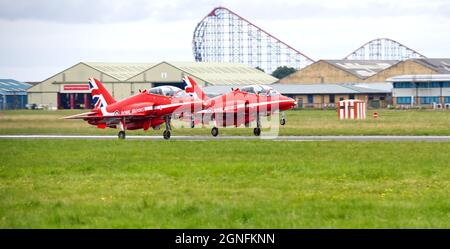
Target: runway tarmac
204,138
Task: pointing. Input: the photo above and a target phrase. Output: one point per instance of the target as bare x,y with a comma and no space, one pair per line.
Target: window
261,90
423,85
382,97
403,100
403,85
165,90
429,85
331,96
351,96
435,84
447,99
310,98
341,98
445,84
248,89
429,100
370,96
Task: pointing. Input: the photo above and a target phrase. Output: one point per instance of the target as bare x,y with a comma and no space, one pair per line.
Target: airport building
13,94
69,89
426,90
367,71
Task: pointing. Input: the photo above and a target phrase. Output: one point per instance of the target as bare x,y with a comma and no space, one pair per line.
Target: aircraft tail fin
100,96
193,88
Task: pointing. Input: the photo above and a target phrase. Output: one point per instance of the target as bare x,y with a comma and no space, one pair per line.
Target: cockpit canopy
260,90
170,91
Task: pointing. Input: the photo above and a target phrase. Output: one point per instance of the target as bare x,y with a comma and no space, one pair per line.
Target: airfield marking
210,138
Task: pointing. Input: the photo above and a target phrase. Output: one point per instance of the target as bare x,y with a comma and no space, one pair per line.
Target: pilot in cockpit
169,91
260,90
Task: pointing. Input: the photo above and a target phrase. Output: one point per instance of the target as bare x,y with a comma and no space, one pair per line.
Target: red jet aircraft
144,110
240,106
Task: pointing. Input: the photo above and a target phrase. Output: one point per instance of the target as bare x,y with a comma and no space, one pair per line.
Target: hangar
13,94
367,71
338,71
69,89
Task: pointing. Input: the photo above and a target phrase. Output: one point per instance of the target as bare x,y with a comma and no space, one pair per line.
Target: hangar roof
440,65
419,78
225,73
216,73
362,68
120,71
313,88
10,85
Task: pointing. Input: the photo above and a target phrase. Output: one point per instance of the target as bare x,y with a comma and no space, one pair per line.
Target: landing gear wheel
282,121
257,131
166,134
121,135
215,131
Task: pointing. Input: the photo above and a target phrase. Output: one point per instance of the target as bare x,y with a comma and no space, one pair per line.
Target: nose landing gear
257,130
283,119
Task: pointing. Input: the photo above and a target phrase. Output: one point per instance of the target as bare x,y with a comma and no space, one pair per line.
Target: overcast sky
39,38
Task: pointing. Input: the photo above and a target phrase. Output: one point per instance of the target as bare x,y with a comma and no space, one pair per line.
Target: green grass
223,184
299,122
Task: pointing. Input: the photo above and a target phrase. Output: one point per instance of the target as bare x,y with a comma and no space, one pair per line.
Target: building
337,71
426,90
376,95
69,89
368,71
13,94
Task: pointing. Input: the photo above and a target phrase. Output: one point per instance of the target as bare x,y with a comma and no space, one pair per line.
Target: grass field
224,184
299,122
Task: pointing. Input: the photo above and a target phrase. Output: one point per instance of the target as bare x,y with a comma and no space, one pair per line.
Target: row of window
332,98
421,84
423,100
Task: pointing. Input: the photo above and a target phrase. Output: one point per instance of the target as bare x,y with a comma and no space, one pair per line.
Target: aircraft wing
217,110
92,115
240,107
82,116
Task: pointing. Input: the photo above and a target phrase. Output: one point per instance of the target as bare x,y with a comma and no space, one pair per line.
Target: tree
283,71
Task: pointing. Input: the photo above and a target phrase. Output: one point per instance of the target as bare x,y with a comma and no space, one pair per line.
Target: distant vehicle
149,108
240,106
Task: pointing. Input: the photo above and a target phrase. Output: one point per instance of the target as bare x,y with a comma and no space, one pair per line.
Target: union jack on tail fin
100,96
194,89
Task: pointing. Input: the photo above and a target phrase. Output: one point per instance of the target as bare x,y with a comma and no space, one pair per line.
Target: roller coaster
224,36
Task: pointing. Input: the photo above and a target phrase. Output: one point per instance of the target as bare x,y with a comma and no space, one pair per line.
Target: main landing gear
123,128
215,131
166,133
121,135
256,131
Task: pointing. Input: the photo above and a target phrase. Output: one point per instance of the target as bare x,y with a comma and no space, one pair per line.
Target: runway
211,138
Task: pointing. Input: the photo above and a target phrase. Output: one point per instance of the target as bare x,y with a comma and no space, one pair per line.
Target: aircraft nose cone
293,102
